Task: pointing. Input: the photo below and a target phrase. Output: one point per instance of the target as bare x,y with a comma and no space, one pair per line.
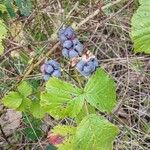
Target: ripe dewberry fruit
50,68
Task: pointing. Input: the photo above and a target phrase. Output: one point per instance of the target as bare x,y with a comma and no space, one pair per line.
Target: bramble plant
82,104
62,99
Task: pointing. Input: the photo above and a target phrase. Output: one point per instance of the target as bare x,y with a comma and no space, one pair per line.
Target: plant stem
86,108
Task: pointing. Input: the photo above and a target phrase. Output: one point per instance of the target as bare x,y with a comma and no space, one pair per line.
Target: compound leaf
25,89
62,99
12,100
100,91
95,133
140,31
60,106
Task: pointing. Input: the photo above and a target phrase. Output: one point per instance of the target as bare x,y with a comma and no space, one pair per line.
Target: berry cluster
87,66
85,63
71,45
50,68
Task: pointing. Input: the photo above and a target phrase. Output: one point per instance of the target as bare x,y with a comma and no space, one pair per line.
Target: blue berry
56,73
66,34
67,44
50,68
87,67
71,45
46,77
65,52
69,33
80,65
73,53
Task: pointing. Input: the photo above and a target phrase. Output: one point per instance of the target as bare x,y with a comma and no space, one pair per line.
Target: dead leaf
10,121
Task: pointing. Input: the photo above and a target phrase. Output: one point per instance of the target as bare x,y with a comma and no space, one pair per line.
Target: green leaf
25,105
140,31
2,8
144,2
24,6
95,133
68,132
36,110
32,134
62,99
68,145
3,33
64,130
83,113
25,89
3,30
61,105
100,91
12,100
58,86
9,7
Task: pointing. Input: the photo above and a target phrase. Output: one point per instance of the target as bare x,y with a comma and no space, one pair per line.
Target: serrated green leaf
64,130
95,133
25,89
36,110
68,132
100,91
60,106
140,31
62,99
12,100
25,105
24,6
58,86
